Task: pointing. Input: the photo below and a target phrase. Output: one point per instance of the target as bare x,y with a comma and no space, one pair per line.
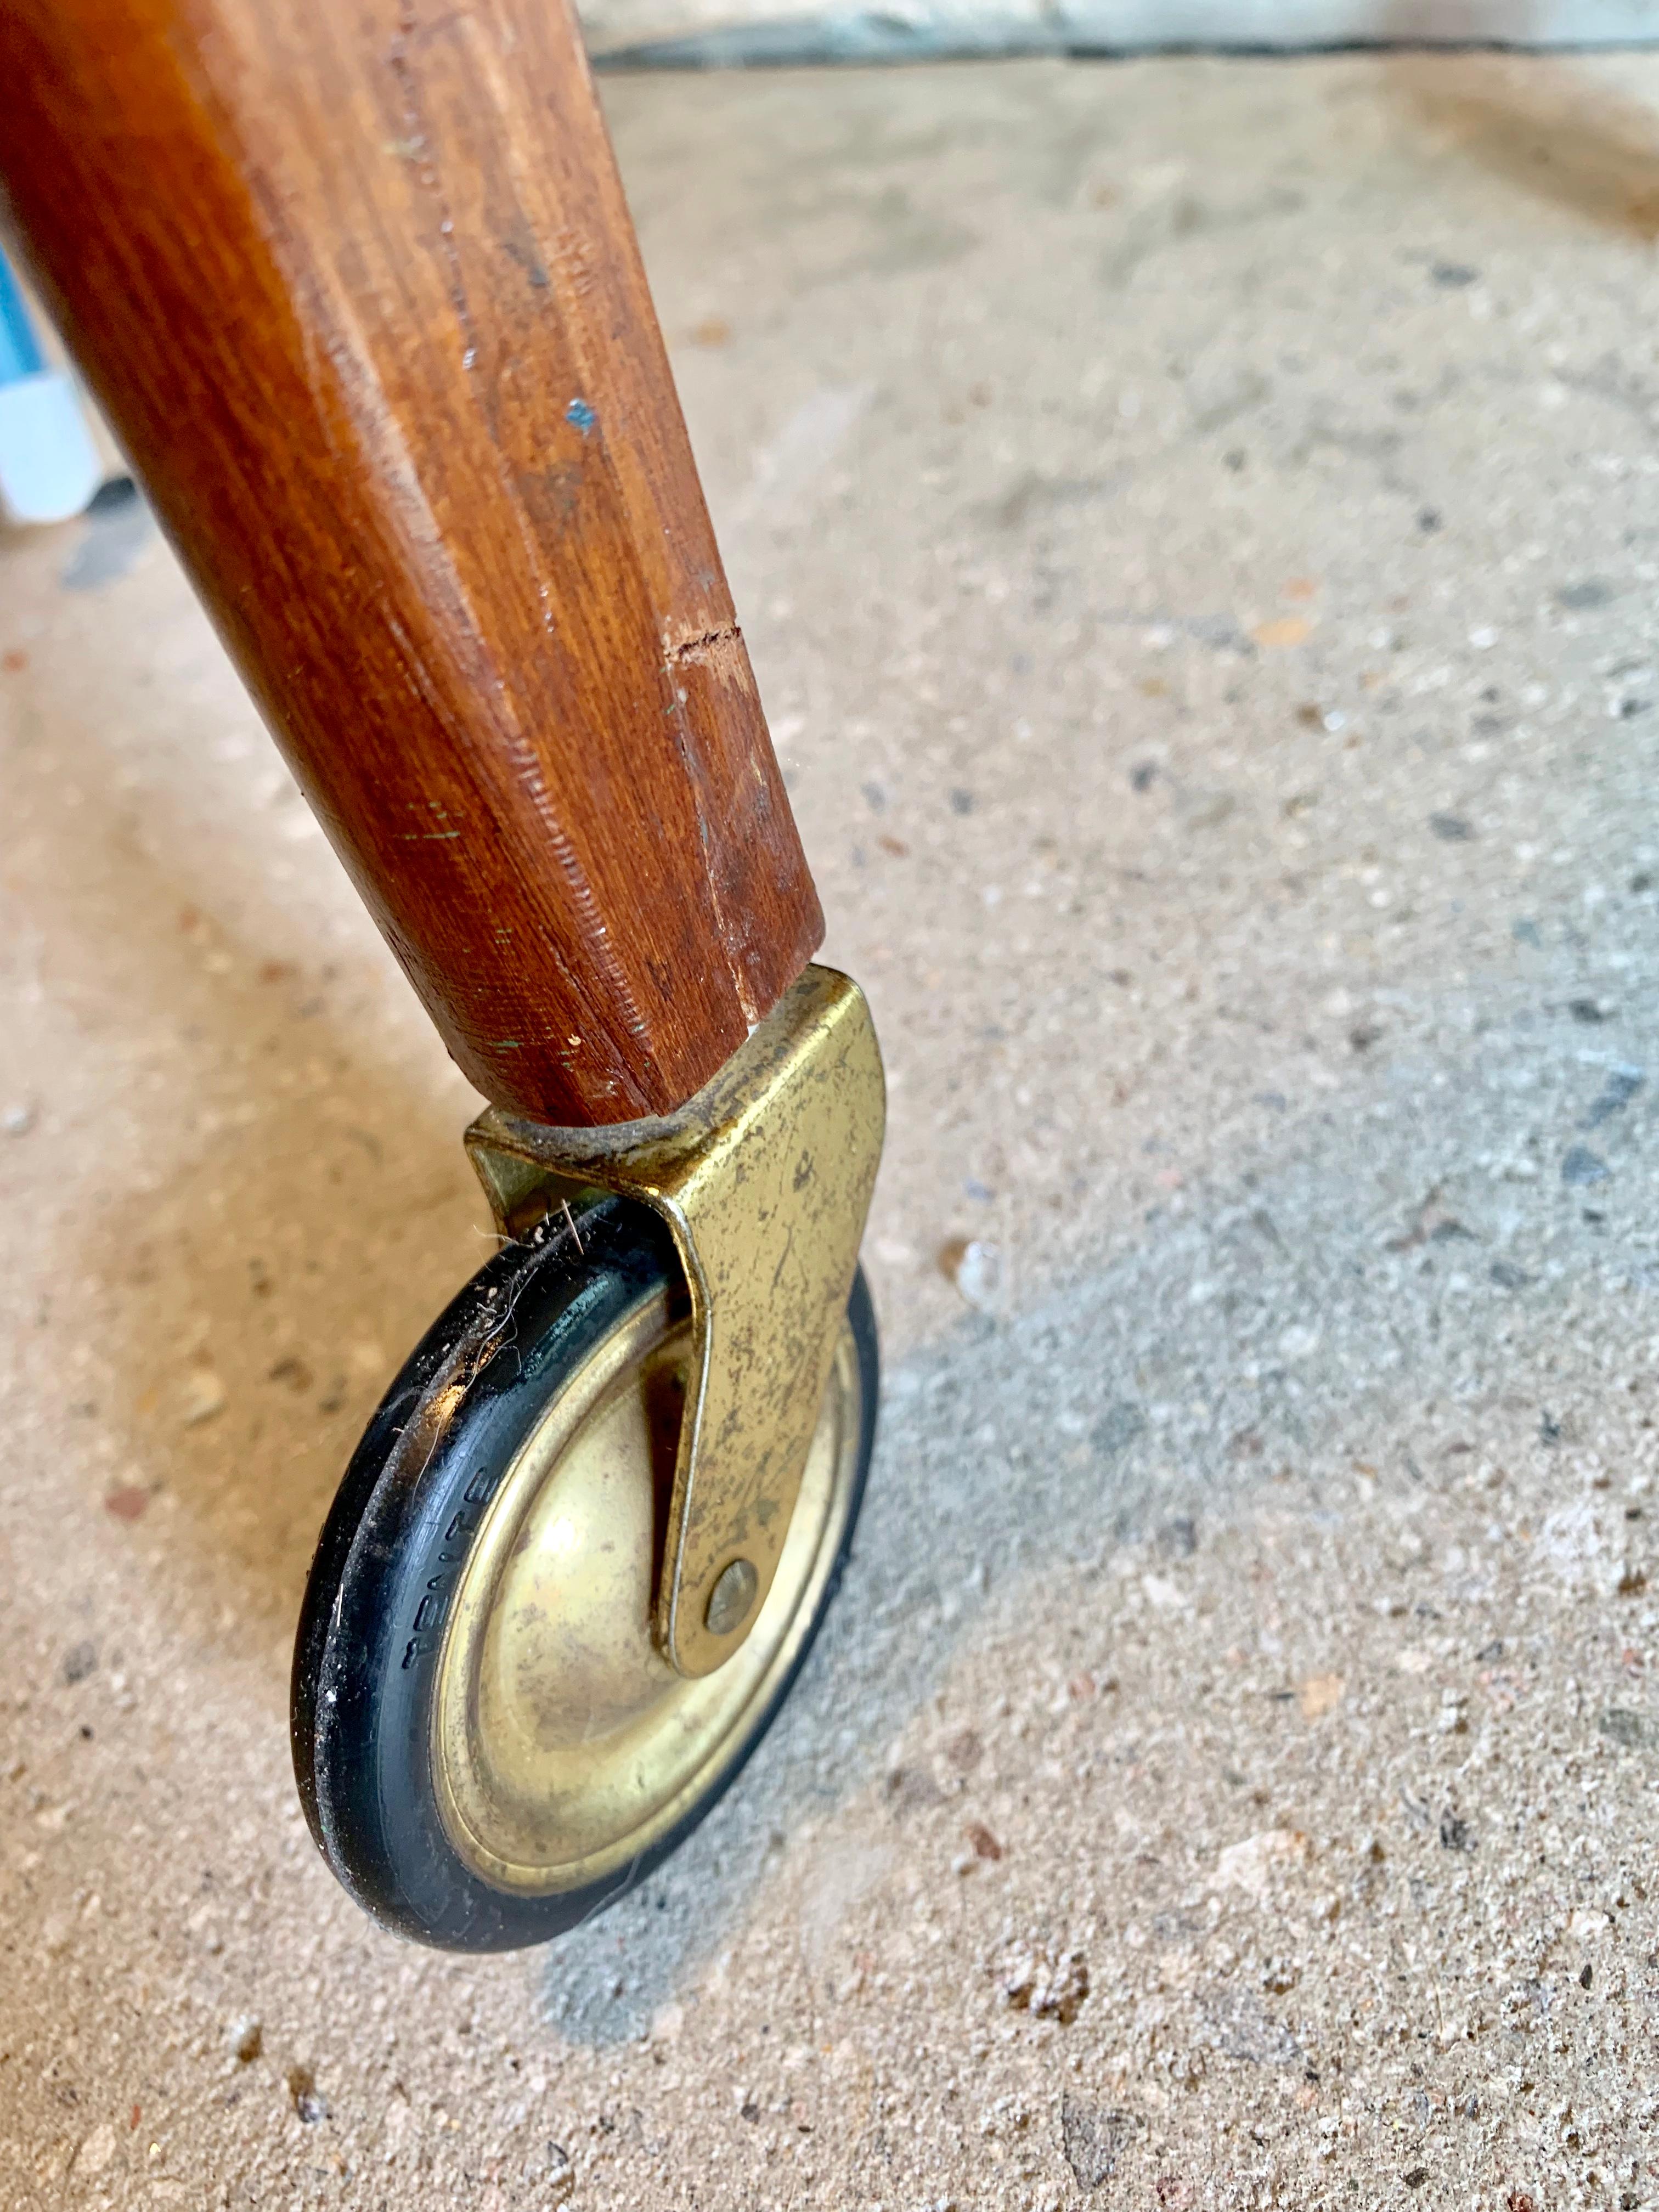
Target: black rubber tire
363,1671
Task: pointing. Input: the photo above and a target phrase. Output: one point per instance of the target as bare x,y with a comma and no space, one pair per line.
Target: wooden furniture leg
356,287
354,282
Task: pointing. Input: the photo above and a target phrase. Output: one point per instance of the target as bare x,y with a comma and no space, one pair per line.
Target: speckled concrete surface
1197,525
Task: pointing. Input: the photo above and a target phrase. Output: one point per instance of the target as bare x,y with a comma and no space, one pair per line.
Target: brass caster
489,1744
493,1732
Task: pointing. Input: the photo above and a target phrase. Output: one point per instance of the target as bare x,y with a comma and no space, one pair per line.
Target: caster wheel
488,1746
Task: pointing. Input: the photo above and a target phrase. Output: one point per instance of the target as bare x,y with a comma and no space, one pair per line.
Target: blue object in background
19,355
49,466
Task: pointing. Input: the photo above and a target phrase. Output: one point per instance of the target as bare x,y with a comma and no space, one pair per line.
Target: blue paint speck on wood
581,415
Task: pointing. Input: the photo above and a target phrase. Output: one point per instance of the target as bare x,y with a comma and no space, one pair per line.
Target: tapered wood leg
356,286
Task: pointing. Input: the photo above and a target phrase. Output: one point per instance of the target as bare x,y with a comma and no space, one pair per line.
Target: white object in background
739,33
1271,25
49,466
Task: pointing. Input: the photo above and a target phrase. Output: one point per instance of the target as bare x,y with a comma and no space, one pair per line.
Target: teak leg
355,285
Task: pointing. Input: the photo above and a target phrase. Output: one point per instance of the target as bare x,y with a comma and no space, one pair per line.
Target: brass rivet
731,1598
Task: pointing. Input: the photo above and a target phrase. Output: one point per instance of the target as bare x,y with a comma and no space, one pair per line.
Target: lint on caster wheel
489,1744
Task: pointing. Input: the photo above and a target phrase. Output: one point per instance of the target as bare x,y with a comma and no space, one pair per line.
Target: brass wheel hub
564,1745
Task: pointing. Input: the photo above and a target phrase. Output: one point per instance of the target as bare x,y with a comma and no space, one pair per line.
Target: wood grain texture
356,285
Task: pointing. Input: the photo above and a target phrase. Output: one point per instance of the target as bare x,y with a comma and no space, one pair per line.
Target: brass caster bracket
765,1179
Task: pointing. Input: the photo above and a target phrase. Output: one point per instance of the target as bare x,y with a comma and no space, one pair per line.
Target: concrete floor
1196,524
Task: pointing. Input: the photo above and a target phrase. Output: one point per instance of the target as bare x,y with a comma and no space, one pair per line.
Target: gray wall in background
739,33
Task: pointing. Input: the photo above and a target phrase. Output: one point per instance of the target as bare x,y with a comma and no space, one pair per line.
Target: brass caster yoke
764,1179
